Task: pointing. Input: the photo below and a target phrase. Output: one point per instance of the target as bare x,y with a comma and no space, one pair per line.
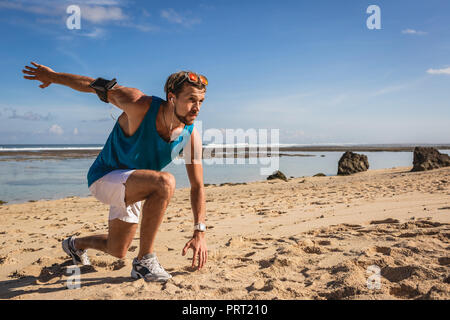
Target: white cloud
412,31
93,12
140,27
29,115
146,13
439,71
390,89
43,8
174,17
99,14
97,33
398,87
75,131
98,11
55,129
71,54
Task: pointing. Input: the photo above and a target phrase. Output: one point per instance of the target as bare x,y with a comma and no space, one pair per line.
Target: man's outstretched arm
47,76
130,100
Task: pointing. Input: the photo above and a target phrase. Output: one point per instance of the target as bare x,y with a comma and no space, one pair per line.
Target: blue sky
309,68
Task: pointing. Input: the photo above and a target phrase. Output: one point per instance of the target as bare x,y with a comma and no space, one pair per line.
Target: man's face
188,104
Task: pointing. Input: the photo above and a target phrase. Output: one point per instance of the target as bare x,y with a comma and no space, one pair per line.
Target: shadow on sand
21,286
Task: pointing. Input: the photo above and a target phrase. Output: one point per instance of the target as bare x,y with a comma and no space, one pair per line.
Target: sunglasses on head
193,78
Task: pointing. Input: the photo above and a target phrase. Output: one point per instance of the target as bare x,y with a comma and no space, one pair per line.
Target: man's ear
171,97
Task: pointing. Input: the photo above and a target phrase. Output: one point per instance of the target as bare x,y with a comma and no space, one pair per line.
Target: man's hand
41,73
198,245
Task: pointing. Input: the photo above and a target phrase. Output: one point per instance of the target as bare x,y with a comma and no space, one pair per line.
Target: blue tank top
145,149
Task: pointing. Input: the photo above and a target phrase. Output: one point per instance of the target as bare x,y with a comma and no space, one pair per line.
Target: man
127,172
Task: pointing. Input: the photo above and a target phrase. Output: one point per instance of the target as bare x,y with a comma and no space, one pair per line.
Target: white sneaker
149,269
78,256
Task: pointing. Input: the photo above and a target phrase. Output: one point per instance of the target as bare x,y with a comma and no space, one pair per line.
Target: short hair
174,79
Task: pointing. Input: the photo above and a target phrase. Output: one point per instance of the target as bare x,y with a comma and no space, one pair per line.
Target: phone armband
101,86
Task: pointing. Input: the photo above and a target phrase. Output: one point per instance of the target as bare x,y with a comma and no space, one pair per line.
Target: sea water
22,181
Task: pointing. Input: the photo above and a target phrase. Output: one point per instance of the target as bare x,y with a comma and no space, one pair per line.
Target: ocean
35,172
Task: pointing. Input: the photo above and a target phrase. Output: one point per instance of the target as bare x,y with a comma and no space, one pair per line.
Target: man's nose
196,107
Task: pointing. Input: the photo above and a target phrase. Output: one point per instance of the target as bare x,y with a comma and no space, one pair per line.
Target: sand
381,234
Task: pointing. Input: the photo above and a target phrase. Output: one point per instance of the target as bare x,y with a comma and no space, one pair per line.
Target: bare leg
116,242
157,189
152,216
97,242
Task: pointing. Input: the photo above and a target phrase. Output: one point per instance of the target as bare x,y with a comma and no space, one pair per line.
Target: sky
312,69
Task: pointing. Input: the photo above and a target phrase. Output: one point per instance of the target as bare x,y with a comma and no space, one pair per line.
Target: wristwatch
200,227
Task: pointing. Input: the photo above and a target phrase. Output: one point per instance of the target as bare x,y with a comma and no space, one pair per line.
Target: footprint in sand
31,249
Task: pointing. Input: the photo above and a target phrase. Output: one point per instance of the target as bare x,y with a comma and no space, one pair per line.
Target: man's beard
181,118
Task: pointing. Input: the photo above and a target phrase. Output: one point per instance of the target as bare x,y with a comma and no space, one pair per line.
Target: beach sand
309,238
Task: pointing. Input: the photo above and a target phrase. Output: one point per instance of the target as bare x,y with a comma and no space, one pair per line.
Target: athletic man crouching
127,175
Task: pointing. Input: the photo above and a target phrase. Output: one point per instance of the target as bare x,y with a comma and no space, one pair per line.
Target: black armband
102,86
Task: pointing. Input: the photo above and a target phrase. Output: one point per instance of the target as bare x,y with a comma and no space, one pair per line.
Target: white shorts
110,189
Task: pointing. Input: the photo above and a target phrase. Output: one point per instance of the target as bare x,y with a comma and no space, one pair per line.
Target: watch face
200,227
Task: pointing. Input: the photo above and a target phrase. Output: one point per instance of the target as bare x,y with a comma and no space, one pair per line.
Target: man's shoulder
143,105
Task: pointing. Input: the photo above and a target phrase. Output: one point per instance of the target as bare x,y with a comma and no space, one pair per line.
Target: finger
202,259
29,77
35,64
45,85
199,266
28,72
185,249
30,68
194,258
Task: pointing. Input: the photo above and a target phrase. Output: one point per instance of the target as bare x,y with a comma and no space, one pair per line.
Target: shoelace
153,265
83,256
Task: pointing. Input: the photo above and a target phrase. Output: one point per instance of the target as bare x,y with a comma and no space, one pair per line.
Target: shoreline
214,152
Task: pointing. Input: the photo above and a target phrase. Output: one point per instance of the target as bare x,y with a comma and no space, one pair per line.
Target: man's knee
118,252
167,184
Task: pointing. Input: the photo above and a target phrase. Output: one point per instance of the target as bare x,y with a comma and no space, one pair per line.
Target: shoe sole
65,247
137,275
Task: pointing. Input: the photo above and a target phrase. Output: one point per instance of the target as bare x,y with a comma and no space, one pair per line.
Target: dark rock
428,158
352,163
320,175
277,175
